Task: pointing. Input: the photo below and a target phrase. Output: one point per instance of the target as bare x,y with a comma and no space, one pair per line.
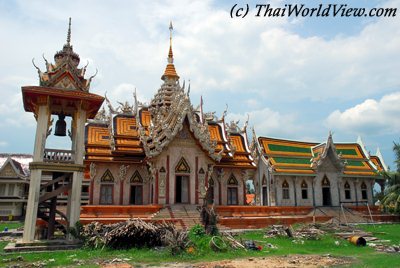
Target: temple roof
14,166
122,137
297,157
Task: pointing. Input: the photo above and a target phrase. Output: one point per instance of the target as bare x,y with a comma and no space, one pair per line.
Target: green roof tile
286,148
291,160
347,151
355,163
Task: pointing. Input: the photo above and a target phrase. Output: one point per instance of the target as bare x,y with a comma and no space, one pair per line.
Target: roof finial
69,32
170,54
170,71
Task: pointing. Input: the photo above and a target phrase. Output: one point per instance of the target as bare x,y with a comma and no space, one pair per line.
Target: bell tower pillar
34,189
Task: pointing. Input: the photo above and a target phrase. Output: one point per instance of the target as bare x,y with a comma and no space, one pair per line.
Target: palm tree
391,200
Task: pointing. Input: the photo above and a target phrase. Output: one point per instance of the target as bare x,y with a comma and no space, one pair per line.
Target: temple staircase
184,216
339,215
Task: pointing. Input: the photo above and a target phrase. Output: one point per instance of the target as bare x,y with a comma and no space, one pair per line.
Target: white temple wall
309,200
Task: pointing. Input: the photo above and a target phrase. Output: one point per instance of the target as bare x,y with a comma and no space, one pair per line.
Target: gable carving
232,180
136,178
325,181
107,176
182,166
8,171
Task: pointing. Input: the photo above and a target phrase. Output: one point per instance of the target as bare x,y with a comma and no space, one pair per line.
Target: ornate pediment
182,166
169,109
107,176
232,180
8,171
136,178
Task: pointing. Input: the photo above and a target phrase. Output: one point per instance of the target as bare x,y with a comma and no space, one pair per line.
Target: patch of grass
328,244
10,225
384,231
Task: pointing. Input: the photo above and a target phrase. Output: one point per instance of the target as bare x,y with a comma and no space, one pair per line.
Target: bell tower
63,93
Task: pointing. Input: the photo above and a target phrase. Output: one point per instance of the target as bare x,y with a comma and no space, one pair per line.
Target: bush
197,231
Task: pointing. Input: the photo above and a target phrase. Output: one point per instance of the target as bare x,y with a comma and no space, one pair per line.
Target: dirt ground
291,261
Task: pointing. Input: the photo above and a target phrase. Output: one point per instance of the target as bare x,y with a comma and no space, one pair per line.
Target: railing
57,155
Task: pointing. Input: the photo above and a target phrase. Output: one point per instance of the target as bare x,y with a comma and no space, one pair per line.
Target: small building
14,173
297,173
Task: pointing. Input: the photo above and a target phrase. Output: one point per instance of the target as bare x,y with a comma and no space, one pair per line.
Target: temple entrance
326,192
182,189
326,196
264,196
136,197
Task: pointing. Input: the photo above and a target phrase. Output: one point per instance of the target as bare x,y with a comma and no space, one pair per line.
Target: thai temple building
297,173
14,174
170,152
167,152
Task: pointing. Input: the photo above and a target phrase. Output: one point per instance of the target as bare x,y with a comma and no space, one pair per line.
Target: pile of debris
133,233
279,231
309,232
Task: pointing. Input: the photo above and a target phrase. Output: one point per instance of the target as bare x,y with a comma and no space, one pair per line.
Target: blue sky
296,78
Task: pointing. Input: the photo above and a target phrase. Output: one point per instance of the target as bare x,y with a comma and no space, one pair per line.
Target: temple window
232,190
2,189
264,191
285,190
304,190
364,194
106,188
347,192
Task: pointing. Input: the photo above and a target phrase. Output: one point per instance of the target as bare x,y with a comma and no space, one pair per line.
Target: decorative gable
8,171
66,82
182,166
136,178
107,176
325,181
232,180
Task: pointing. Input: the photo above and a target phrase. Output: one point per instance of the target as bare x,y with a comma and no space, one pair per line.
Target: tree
391,200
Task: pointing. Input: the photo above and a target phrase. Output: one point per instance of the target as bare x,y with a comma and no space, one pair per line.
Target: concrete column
74,205
75,198
32,206
34,185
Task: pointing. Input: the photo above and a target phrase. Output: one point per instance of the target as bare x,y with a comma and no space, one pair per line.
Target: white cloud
370,117
270,123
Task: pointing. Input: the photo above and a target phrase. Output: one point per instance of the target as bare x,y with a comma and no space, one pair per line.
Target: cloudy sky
297,78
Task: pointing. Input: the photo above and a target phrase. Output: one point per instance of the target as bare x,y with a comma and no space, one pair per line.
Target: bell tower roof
67,50
170,72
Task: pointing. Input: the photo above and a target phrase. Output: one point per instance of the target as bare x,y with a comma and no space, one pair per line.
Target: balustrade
57,155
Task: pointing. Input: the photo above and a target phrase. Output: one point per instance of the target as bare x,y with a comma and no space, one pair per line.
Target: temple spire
170,71
69,33
170,54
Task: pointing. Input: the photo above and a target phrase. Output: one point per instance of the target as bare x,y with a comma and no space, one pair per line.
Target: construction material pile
308,232
276,231
132,233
